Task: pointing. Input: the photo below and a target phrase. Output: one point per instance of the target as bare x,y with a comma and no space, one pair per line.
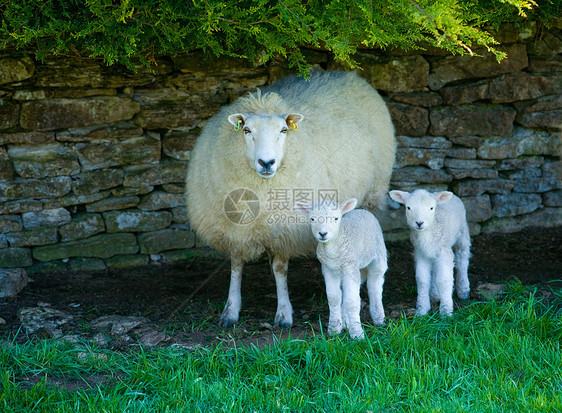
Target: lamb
439,233
263,152
351,250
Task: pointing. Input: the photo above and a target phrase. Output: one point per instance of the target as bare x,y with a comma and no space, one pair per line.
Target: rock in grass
152,338
489,291
43,318
117,324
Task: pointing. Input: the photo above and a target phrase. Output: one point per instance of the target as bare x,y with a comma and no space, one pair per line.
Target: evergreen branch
438,29
135,31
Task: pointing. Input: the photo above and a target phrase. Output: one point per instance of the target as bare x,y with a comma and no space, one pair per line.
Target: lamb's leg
462,255
444,280
351,284
334,294
375,281
231,310
423,282
433,290
284,314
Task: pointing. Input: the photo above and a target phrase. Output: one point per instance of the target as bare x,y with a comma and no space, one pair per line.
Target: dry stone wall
93,158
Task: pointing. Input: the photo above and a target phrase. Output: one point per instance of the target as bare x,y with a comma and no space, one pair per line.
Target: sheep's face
420,211
265,139
325,221
325,218
420,206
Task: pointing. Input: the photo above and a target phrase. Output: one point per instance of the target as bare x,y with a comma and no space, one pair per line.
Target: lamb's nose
322,234
419,223
266,164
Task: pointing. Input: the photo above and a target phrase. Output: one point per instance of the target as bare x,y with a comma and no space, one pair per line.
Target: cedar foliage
135,31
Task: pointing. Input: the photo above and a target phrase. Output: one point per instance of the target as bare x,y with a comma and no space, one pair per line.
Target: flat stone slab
117,324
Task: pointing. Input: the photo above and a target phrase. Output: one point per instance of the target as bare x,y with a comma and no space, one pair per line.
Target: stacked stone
489,132
93,159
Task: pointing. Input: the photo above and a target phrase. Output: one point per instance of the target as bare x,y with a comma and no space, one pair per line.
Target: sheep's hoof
357,335
284,325
225,321
335,329
378,318
463,295
283,321
420,312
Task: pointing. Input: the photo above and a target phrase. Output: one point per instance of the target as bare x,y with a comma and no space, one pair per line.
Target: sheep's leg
462,255
351,284
423,281
334,294
444,280
231,311
284,314
375,281
433,290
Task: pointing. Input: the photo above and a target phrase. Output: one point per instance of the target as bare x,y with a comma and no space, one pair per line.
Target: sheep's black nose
266,164
322,234
419,224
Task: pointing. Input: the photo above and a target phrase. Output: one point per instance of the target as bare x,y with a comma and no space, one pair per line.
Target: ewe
262,153
351,249
438,227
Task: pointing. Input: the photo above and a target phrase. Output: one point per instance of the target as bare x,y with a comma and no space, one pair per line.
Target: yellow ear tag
237,127
293,125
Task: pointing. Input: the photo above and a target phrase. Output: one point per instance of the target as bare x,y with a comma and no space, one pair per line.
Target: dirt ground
184,301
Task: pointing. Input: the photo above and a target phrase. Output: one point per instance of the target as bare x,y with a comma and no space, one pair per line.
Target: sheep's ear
399,196
292,120
238,120
441,197
302,208
348,205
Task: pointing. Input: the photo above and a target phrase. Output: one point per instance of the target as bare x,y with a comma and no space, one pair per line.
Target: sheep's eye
336,219
311,219
247,130
408,208
284,130
431,209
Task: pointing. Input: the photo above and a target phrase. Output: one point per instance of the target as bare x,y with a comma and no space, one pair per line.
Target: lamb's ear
302,208
399,196
348,205
443,196
238,120
292,120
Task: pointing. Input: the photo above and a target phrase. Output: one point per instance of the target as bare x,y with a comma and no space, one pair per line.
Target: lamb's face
420,206
325,217
420,210
325,221
265,139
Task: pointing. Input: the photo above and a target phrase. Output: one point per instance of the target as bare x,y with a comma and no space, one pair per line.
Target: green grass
500,356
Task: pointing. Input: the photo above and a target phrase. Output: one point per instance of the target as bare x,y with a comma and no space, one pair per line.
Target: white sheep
439,233
351,250
292,141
